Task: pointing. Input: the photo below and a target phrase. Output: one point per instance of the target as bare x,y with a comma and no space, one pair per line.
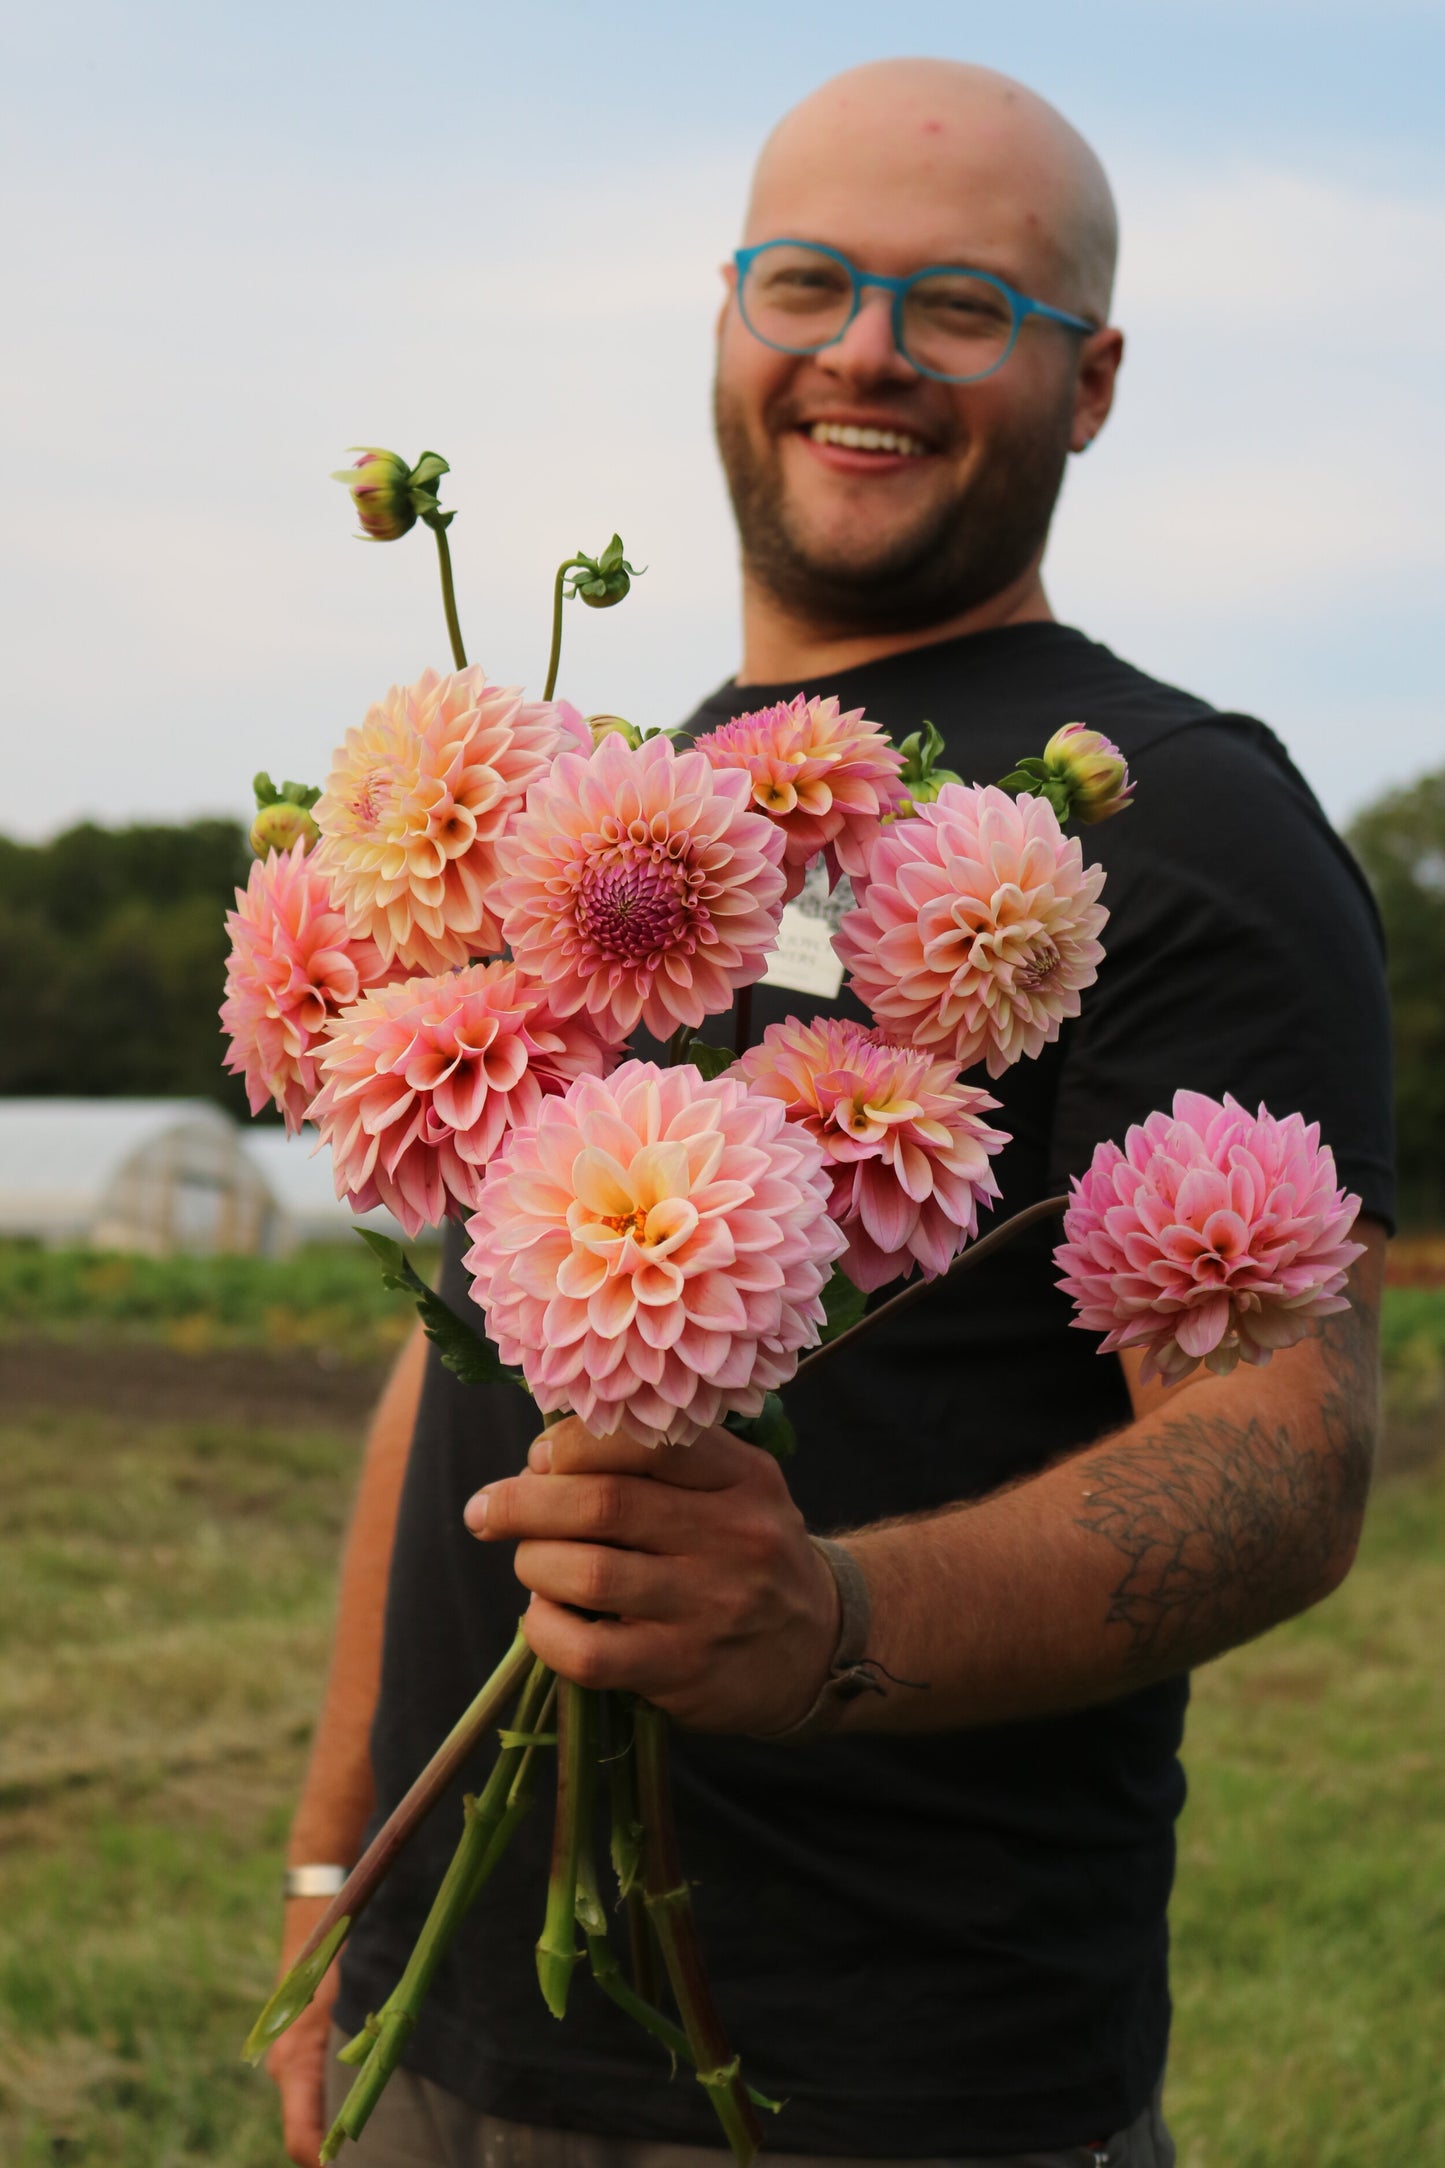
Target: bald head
948,153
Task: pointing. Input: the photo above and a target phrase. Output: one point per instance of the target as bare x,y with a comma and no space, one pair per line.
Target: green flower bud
283,816
1093,770
921,776
605,580
390,497
278,827
614,726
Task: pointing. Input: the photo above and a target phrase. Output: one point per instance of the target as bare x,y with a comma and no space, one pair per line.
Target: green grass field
165,1594
328,1298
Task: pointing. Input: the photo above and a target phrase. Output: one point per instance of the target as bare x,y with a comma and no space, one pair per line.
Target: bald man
935,1912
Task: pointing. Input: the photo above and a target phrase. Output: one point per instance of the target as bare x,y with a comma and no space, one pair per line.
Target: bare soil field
297,1388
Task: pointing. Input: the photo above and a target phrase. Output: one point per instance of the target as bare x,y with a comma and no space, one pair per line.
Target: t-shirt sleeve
1243,954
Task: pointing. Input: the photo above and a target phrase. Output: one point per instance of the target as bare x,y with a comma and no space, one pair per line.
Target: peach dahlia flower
293,965
906,1144
1214,1236
652,1251
638,884
422,1079
826,778
978,927
418,797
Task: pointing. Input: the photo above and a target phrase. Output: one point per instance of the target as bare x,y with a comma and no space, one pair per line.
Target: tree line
113,947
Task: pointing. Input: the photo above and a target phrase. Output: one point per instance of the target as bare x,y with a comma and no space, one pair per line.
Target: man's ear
730,281
1100,356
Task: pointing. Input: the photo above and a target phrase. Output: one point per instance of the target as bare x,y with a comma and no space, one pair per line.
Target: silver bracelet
314,1881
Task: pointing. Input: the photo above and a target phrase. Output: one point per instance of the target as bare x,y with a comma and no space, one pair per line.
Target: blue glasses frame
1021,306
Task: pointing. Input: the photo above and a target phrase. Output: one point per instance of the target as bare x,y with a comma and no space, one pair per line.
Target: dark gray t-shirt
956,1944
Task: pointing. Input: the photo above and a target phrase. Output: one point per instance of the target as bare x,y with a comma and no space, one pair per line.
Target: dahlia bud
389,495
1094,770
614,726
605,580
921,776
1082,774
284,816
278,827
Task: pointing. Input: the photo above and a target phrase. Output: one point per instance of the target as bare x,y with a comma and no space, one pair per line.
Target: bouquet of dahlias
439,960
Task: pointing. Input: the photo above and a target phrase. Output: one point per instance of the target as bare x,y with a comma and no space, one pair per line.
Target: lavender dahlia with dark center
635,906
640,886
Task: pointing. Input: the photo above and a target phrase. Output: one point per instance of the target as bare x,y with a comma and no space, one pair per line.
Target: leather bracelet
850,1672
314,1880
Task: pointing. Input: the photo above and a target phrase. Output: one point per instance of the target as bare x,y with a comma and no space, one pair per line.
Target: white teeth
866,440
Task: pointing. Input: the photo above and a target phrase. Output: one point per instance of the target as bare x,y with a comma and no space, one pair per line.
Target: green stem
626,1846
490,1821
639,2003
371,1870
449,596
609,1977
557,1950
669,1906
555,657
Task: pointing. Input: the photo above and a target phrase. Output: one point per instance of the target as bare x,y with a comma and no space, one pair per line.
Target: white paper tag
803,961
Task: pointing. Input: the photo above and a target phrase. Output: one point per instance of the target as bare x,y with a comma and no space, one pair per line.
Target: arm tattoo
1227,1527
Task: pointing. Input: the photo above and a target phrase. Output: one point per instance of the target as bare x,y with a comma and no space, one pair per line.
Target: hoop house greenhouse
156,1175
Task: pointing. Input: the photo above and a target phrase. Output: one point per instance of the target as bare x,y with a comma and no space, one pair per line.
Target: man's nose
867,351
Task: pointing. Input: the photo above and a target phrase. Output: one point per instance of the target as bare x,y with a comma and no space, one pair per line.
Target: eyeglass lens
953,324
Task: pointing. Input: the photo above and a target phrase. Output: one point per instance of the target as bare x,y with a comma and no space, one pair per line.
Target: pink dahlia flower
638,884
906,1145
1214,1237
978,927
652,1252
293,965
418,797
826,778
421,1080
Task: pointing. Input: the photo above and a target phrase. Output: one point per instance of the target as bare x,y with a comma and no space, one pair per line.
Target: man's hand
297,2062
718,1607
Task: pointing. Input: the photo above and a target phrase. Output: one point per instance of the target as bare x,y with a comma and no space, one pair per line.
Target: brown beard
956,558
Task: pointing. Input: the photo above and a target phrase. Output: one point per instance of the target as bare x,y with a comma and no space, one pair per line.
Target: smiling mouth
852,437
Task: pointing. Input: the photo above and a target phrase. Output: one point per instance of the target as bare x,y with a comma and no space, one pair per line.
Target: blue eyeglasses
948,322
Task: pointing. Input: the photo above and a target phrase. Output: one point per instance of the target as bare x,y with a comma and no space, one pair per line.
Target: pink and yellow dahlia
638,884
652,1251
978,927
418,798
422,1079
826,778
1214,1237
905,1142
293,965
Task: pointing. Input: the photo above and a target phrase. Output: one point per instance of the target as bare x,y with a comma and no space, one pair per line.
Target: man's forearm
336,1797
1233,1505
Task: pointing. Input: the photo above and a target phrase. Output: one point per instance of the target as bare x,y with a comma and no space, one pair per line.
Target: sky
239,239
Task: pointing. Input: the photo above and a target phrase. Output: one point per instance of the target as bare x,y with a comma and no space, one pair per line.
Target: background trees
1400,841
113,946
112,959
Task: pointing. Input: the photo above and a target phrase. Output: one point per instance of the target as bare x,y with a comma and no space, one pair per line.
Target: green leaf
844,1304
770,1429
302,794
1027,776
709,1060
468,1354
427,471
265,789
